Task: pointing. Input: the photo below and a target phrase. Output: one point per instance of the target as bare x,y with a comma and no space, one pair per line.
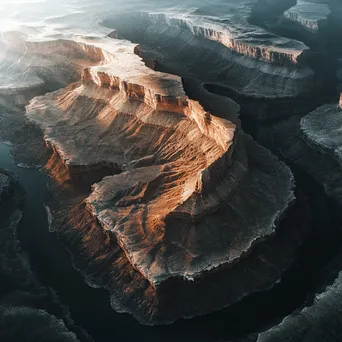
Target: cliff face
164,201
310,15
30,68
237,35
188,196
246,58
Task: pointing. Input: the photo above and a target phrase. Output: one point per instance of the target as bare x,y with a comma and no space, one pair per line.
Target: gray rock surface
194,197
309,14
322,128
312,144
250,60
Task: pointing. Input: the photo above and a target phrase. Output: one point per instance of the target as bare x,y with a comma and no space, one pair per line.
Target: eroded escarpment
273,69
24,301
257,82
190,198
246,58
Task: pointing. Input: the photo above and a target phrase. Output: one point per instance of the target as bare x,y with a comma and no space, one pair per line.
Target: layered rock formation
189,199
30,68
321,129
24,301
247,59
187,214
311,15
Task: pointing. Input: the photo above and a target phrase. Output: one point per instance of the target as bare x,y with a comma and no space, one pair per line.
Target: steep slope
188,195
164,201
29,68
247,59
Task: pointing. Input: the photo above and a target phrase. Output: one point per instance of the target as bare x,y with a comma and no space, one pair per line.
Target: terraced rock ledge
193,215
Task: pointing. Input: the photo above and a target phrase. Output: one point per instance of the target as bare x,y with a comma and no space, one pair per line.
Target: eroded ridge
191,196
235,33
32,67
172,151
246,58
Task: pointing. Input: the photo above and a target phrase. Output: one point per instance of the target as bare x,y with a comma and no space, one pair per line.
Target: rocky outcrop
188,197
28,310
321,129
186,214
311,143
310,15
243,57
237,35
32,325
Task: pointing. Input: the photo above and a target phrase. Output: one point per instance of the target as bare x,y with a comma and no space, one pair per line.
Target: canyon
177,140
24,300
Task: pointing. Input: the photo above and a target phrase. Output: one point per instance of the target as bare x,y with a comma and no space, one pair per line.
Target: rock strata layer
30,68
188,197
225,48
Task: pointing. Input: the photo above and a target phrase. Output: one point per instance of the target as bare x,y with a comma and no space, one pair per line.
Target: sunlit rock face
319,322
224,48
187,214
188,195
28,68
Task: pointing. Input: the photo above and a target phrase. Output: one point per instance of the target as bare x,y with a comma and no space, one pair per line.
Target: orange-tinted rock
192,198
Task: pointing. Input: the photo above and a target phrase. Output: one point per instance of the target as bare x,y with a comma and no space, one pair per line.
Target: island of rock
186,203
